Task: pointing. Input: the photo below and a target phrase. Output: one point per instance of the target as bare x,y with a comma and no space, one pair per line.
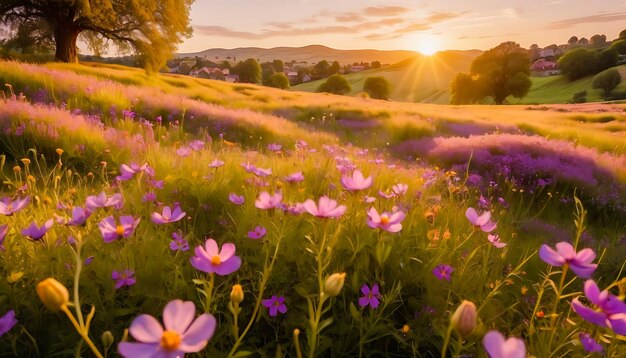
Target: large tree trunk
65,40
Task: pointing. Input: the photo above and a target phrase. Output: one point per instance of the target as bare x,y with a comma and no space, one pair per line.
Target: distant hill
415,79
310,54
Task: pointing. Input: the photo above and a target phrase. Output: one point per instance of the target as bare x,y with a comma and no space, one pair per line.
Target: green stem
446,342
557,299
209,291
81,331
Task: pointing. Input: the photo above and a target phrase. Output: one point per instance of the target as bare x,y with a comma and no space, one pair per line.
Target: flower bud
53,294
464,318
107,339
236,295
334,284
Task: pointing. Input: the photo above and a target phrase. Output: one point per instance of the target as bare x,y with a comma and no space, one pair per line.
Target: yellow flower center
170,341
216,260
384,219
119,230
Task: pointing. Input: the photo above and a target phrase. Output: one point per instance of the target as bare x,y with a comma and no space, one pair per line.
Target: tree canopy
607,81
279,80
581,62
336,84
503,71
249,71
150,28
377,87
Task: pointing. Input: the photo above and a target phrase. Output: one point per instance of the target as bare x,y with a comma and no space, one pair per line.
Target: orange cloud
600,18
385,10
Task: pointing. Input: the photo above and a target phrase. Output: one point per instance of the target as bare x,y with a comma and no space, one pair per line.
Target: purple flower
579,262
3,233
326,208
294,178
7,322
274,147
79,216
149,197
111,231
498,347
127,171
9,207
400,189
589,343
382,194
390,222
101,201
236,199
211,259
183,151
196,145
357,181
250,168
259,232
495,241
296,209
370,297
267,201
369,199
275,305
34,232
610,311
216,163
124,278
182,334
178,243
482,222
262,172
88,260
168,215
442,271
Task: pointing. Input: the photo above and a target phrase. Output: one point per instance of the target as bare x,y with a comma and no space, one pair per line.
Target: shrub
377,87
336,84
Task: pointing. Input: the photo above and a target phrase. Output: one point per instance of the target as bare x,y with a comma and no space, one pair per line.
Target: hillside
415,79
310,54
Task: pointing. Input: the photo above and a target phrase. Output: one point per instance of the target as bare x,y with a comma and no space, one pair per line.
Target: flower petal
566,250
228,250
199,333
493,342
178,315
138,350
550,256
146,329
471,215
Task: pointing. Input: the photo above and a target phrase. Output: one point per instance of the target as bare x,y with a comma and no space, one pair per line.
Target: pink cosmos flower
111,231
127,171
211,259
216,163
196,145
124,278
326,208
369,199
296,209
262,172
182,333
259,232
267,201
94,202
168,215
250,168
236,199
483,222
357,181
498,347
390,222
580,263
7,321
400,189
385,195
274,147
183,151
35,232
79,216
178,243
495,241
294,178
9,207
609,310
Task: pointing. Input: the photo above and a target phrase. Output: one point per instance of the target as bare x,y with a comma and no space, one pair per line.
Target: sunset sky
421,25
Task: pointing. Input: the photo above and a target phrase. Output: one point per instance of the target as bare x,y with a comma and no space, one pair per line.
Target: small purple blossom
196,145
385,195
216,163
274,147
370,297
149,197
183,151
124,278
495,241
482,222
79,216
443,271
178,243
7,321
400,189
609,310
357,181
259,232
236,199
35,232
211,259
589,344
267,201
127,171
294,178
168,215
111,231
497,346
9,207
369,199
326,208
101,201
580,263
262,172
275,305
390,222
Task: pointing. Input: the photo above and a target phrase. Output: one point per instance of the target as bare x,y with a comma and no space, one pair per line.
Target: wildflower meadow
167,216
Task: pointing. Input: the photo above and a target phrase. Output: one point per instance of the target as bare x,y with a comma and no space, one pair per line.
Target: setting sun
425,44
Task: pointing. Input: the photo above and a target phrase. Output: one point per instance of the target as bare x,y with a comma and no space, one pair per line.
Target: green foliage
503,71
607,81
377,87
249,71
152,28
622,34
279,80
336,84
580,97
375,64
464,89
582,62
619,46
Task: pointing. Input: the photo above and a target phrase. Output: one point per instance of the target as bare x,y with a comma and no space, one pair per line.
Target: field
302,224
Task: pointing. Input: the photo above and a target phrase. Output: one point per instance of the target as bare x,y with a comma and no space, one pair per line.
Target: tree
334,68
279,80
503,71
377,87
321,69
607,81
572,41
152,28
583,41
375,64
622,35
464,89
578,63
279,65
597,40
249,71
336,84
606,58
619,46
